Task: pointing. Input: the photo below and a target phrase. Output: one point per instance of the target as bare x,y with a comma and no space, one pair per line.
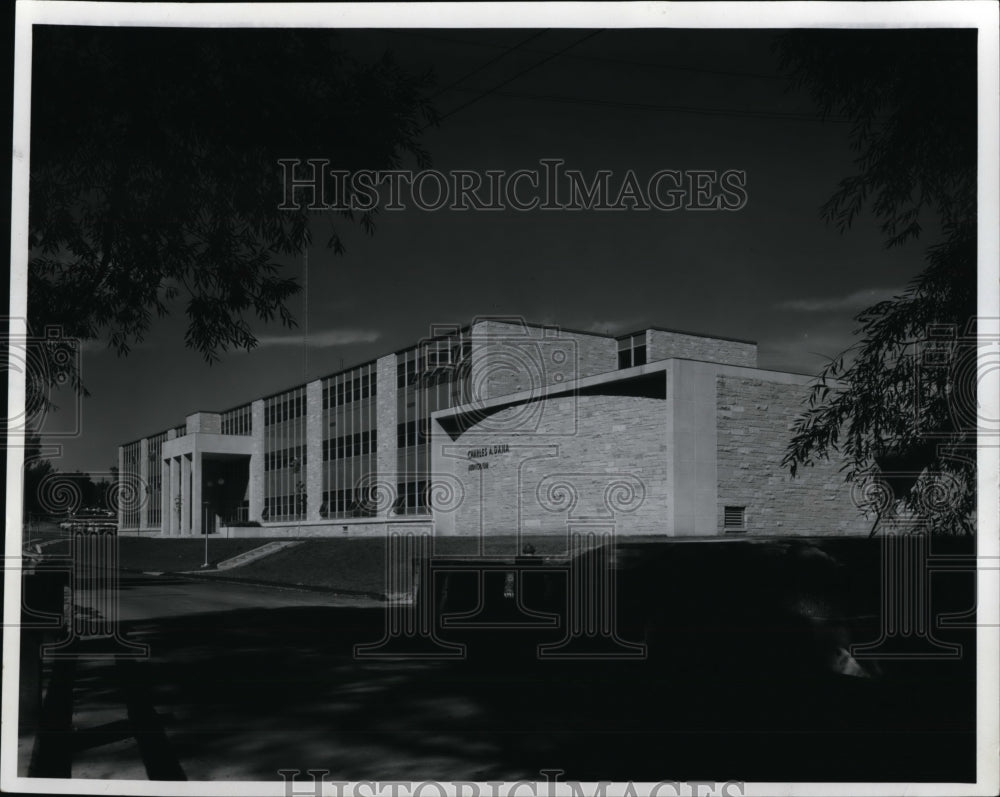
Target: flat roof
689,334
459,330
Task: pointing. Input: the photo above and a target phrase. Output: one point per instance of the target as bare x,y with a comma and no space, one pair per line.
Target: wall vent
733,518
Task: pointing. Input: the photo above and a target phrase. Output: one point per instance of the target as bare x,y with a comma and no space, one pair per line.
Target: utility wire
492,61
692,109
305,312
702,111
601,58
514,77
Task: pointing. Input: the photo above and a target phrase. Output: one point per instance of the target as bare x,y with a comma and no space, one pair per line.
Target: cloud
859,300
805,353
322,338
610,327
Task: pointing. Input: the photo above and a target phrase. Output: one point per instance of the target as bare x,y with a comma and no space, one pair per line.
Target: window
346,503
278,507
340,390
294,457
733,519
434,363
411,498
632,350
237,421
408,372
285,408
412,433
351,445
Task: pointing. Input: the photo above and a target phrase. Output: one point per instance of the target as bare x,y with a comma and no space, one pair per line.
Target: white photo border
981,14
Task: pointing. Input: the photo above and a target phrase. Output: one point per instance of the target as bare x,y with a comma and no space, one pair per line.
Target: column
315,434
165,499
121,486
175,493
143,487
386,420
185,495
693,441
166,491
197,509
256,486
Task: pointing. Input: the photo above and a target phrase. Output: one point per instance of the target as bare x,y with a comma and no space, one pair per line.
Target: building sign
485,451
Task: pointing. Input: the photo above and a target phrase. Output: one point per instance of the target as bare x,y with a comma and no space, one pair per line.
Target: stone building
501,428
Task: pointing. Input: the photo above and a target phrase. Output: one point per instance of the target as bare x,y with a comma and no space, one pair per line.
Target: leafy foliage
912,97
155,176
36,470
67,492
899,405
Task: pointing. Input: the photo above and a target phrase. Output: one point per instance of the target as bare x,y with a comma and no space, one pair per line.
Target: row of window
238,421
285,409
432,376
350,445
130,509
346,503
412,433
284,506
348,390
411,496
286,457
436,365
154,506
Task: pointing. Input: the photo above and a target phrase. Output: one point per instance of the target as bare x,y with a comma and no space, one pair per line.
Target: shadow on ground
730,690
243,694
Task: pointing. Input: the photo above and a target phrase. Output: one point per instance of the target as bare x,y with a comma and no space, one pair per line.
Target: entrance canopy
204,474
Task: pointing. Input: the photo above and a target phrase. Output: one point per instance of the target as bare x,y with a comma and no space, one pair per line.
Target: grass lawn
136,553
358,565
349,565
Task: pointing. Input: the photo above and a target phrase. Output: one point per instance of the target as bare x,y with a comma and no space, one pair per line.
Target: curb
347,593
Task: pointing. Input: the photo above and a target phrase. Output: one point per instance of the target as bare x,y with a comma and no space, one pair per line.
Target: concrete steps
256,553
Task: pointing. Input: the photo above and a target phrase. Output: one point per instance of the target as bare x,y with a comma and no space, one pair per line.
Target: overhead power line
507,51
515,76
691,109
598,58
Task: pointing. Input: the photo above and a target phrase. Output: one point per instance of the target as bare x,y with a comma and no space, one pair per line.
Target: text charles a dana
486,451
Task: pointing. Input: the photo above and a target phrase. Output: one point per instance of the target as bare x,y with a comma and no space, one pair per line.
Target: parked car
91,517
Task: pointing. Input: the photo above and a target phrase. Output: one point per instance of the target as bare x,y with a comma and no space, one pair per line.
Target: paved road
241,682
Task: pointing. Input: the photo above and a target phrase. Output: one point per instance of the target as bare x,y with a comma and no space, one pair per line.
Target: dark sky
773,272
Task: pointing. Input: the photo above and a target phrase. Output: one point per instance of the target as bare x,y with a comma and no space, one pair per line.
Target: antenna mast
305,312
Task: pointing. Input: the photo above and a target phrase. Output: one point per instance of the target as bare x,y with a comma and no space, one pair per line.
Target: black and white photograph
503,400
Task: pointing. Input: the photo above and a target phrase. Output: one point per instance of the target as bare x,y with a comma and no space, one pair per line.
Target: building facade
500,428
